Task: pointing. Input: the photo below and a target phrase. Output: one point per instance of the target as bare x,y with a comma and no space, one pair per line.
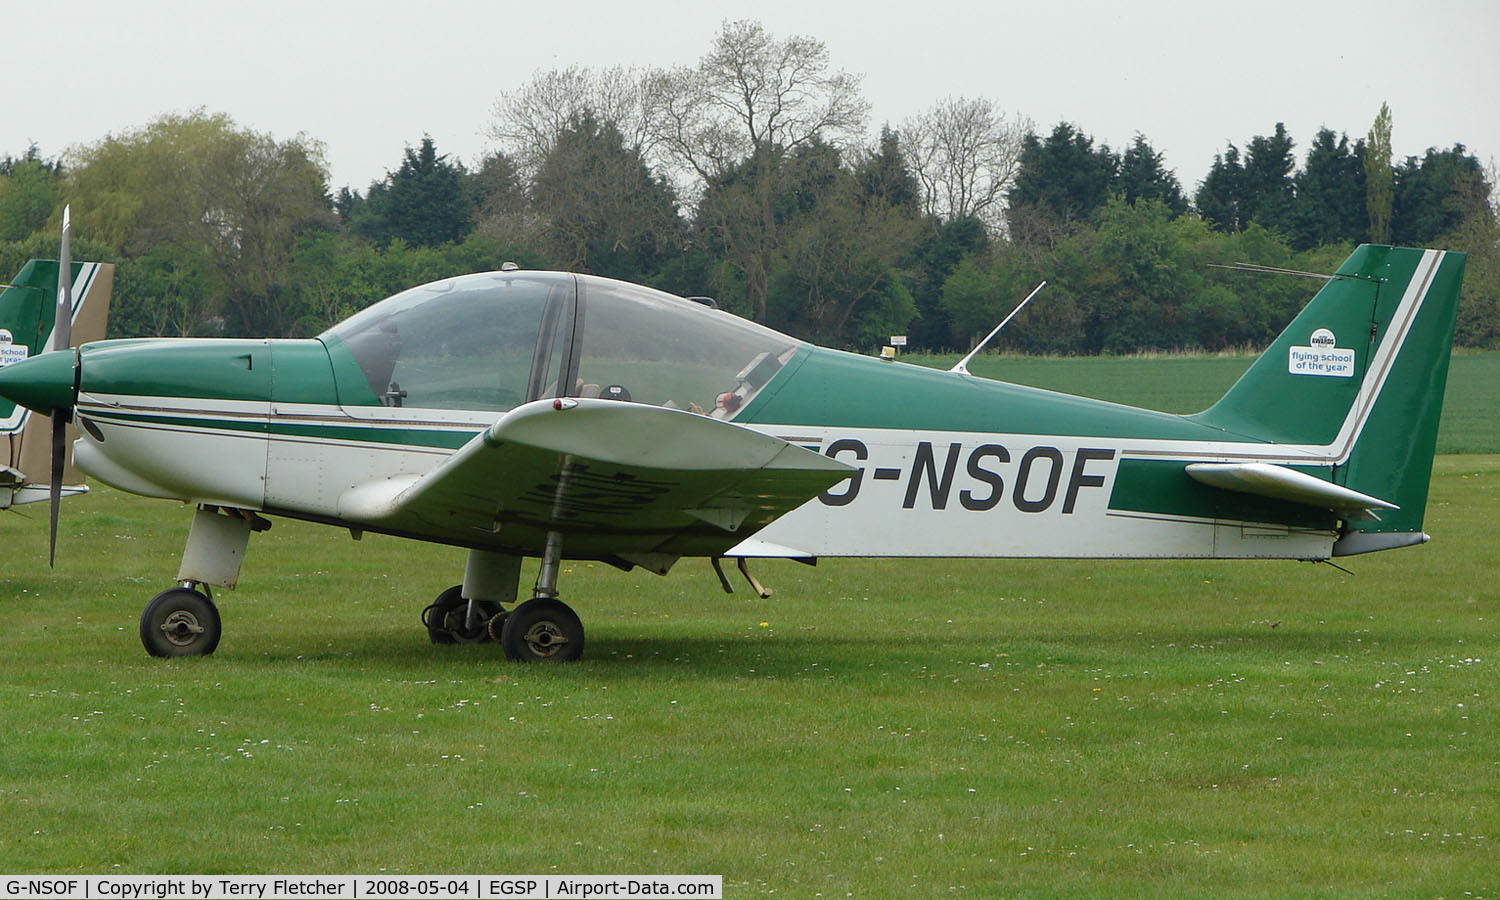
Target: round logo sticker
5,337
1323,338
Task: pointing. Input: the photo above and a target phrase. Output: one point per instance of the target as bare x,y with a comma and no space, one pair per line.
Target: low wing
617,479
1281,483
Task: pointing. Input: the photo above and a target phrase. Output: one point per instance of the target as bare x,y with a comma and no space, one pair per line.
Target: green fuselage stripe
370,434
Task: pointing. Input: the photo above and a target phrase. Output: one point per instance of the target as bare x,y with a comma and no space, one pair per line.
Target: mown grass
876,729
1188,384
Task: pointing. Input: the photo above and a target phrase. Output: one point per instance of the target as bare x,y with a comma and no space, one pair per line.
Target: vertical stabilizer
1357,379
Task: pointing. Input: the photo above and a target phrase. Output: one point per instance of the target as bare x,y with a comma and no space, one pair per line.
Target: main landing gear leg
543,628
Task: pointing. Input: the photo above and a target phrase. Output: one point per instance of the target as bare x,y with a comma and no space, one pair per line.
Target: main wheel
542,629
180,622
447,619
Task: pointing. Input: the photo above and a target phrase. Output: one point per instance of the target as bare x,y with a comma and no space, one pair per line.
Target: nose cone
42,383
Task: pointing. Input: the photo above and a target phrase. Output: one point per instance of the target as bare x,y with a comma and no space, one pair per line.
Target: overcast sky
370,78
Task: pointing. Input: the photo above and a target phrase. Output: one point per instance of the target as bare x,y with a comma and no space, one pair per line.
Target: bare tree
752,90
965,153
528,120
1492,175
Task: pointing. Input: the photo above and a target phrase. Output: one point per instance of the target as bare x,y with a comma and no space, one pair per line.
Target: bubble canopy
492,341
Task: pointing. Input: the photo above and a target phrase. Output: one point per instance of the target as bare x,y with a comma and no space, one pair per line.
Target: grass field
876,729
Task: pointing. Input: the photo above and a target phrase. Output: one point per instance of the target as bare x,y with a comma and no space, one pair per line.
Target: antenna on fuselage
963,365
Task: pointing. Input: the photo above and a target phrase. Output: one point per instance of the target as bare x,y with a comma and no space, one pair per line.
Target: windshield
464,343
648,346
490,342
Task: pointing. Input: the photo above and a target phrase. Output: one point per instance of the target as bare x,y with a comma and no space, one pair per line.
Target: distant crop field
875,729
1188,384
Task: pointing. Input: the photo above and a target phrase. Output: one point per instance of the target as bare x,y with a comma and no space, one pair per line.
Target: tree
497,187
1268,188
966,153
29,191
1380,186
752,92
529,120
603,209
885,174
1221,197
800,244
10,164
939,250
984,287
741,221
1260,189
425,202
502,210
1435,195
834,278
1479,298
1132,278
198,187
1062,178
335,274
1330,194
1143,176
164,292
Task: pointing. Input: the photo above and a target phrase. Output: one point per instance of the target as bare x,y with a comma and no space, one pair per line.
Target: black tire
180,622
436,615
446,619
542,630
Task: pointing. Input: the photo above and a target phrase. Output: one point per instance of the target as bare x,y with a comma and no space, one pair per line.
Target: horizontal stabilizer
1355,542
1281,483
15,490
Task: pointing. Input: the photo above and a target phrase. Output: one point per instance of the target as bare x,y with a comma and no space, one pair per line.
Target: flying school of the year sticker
1322,356
10,351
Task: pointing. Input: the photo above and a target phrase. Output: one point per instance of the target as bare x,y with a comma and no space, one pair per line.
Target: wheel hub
544,638
181,628
457,623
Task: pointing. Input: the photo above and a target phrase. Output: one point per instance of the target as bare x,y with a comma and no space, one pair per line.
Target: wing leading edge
615,478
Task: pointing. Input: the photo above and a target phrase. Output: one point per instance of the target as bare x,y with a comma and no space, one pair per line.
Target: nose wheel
180,622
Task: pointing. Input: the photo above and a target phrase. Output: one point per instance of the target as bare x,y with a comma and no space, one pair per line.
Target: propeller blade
62,325
62,338
59,454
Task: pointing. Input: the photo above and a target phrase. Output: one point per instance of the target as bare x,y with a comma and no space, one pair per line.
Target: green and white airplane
545,414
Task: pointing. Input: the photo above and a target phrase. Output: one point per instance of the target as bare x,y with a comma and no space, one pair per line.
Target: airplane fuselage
259,425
